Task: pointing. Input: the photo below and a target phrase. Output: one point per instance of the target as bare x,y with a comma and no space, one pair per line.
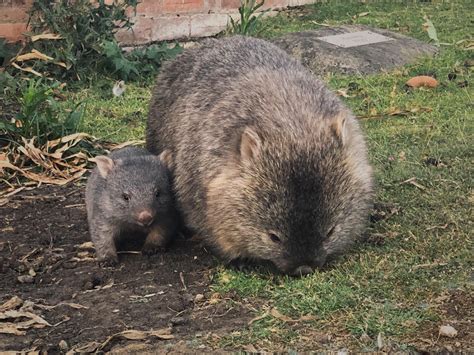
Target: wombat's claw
108,262
151,250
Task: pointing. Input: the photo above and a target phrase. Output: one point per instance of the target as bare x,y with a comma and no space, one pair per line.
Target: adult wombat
129,192
267,162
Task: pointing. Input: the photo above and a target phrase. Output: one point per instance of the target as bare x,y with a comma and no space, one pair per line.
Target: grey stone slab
355,39
353,56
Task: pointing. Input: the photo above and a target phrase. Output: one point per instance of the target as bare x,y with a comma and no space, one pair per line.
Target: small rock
457,344
188,298
199,298
26,279
63,345
448,331
380,341
32,272
178,321
70,265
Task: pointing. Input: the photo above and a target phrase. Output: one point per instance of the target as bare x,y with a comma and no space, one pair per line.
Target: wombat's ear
338,126
250,144
104,164
166,158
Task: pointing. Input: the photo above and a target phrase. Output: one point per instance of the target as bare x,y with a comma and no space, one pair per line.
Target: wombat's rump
267,162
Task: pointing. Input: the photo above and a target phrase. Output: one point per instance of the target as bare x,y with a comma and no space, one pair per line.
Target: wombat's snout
145,218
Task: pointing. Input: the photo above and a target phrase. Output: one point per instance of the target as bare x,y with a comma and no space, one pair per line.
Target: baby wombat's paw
156,241
110,260
151,249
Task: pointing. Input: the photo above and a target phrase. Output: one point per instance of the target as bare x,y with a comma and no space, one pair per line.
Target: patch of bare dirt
43,264
456,308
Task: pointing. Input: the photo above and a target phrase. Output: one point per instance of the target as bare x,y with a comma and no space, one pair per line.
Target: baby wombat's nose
302,270
145,217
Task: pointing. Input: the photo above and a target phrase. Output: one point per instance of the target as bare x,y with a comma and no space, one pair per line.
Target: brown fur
267,163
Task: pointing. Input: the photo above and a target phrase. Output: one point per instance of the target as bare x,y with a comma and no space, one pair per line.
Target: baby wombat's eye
274,238
126,196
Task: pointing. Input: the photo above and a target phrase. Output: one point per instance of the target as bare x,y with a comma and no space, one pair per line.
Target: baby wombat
129,192
267,162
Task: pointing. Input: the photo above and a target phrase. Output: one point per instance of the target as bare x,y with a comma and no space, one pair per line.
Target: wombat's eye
274,238
157,194
126,196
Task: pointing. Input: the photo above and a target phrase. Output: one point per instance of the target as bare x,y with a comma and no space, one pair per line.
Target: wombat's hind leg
156,241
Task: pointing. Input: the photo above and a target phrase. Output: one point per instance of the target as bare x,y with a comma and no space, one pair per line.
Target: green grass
427,249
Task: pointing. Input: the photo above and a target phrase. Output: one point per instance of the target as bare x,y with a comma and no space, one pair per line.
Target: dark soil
40,234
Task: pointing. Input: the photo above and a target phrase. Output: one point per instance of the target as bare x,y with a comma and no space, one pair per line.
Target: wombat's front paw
150,249
108,261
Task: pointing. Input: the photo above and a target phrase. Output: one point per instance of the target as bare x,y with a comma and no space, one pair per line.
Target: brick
151,29
171,27
207,25
301,2
13,14
183,6
230,4
12,31
141,31
150,7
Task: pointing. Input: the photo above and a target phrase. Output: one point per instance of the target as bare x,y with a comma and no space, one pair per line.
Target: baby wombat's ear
250,144
338,126
166,159
104,164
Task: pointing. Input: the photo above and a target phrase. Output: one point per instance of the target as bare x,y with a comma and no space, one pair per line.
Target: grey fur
259,147
141,175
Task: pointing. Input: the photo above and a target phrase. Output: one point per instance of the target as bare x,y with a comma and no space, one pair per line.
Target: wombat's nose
302,270
145,218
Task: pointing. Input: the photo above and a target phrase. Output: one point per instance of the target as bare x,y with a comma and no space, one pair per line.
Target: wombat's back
201,106
201,76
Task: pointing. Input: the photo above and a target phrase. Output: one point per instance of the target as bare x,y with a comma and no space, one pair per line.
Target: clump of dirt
44,261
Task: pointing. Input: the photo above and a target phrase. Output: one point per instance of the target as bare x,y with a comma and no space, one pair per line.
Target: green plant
40,115
83,26
248,21
86,46
138,63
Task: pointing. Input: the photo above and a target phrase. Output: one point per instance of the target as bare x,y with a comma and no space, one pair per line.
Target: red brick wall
155,19
13,18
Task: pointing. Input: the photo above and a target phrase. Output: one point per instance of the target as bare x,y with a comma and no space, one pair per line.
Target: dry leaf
422,81
34,54
12,303
87,348
48,36
343,93
412,181
429,27
86,245
275,313
27,70
126,144
253,320
164,334
19,326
